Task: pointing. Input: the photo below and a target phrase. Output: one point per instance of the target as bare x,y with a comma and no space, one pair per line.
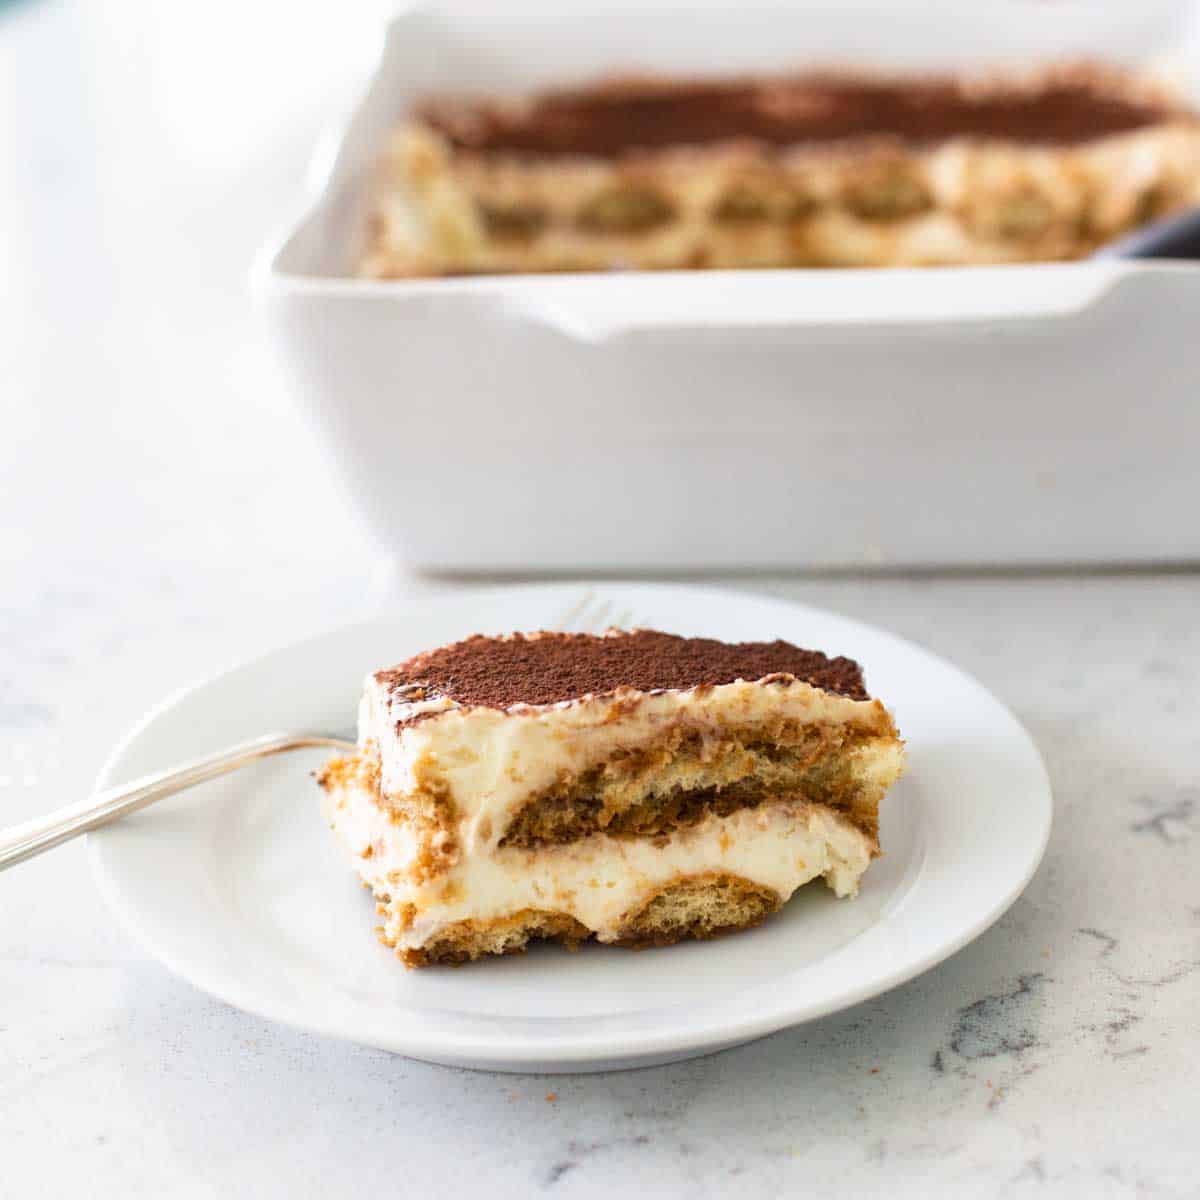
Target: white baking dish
1035,414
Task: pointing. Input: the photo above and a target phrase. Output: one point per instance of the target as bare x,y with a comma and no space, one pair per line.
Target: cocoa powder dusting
612,118
547,668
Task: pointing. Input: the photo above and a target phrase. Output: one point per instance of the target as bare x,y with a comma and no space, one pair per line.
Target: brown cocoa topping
548,668
612,118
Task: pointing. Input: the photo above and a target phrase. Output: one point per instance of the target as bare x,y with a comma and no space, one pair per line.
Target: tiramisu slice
819,169
638,788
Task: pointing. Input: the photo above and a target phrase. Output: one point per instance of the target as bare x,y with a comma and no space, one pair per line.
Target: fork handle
44,833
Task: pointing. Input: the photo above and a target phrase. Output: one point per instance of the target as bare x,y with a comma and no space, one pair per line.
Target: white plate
239,887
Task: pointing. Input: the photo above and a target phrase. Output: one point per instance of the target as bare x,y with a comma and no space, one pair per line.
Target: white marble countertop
165,514
1052,1055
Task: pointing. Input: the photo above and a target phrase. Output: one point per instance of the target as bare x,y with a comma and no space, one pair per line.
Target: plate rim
575,1052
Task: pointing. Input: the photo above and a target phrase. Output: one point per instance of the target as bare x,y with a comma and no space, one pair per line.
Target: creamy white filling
599,880
490,762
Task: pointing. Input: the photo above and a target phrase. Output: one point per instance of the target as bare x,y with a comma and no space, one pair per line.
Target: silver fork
589,614
44,833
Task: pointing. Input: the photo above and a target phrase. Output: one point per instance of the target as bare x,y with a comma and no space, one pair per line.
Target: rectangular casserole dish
1039,414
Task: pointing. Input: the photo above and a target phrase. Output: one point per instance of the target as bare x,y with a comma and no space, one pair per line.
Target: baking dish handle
763,305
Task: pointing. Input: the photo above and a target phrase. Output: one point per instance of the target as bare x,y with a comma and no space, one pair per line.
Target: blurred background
149,451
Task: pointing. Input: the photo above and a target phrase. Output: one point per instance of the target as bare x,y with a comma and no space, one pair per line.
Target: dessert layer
549,668
637,788
604,883
701,907
815,171
610,119
464,941
677,783
472,769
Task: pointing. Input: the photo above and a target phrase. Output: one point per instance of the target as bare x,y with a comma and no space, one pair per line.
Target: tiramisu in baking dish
636,788
812,170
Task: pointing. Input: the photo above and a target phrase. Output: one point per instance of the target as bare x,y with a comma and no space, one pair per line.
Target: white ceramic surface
240,888
959,416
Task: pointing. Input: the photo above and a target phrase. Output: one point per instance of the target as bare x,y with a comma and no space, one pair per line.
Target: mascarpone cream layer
490,762
600,880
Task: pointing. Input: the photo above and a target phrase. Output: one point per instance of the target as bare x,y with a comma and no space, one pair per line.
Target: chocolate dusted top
1070,104
548,668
